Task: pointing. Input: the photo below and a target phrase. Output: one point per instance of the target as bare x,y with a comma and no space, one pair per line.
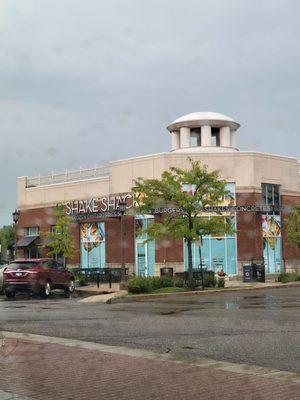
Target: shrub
142,284
194,284
158,282
178,282
81,281
221,283
209,280
139,284
285,277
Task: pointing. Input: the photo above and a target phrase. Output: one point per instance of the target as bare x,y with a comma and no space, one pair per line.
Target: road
259,327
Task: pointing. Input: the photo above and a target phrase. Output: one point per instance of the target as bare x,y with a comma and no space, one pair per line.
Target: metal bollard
98,280
109,278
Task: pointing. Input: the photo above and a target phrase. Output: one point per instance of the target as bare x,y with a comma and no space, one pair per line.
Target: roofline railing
67,176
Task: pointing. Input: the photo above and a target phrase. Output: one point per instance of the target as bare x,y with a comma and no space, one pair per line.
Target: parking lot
259,327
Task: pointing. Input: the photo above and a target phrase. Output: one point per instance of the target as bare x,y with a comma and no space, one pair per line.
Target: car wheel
10,294
70,288
46,291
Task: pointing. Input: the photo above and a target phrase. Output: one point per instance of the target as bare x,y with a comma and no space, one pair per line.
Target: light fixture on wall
16,216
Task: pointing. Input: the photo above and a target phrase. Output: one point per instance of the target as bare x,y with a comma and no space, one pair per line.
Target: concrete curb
247,369
153,297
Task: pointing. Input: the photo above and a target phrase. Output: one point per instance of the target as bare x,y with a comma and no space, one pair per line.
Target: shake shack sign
108,206
98,205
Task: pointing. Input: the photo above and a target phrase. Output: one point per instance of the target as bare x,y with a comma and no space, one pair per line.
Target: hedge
285,277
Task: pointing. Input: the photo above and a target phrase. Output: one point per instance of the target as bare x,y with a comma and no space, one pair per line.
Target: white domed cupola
203,132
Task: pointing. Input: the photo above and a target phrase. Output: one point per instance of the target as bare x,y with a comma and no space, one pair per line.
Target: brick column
249,230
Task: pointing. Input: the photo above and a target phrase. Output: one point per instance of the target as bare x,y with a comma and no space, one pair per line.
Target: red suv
37,275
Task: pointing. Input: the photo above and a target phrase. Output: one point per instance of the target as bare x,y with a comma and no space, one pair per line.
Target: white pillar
225,136
175,140
233,139
205,135
185,135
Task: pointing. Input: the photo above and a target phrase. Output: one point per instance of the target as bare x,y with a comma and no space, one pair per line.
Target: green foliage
178,282
142,284
139,284
209,280
208,191
61,242
221,282
7,239
158,282
293,227
286,277
80,280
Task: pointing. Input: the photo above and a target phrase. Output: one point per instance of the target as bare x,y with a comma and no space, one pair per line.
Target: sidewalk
43,368
103,294
103,288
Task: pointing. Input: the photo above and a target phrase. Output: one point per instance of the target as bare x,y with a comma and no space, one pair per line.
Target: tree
7,240
60,240
187,191
293,227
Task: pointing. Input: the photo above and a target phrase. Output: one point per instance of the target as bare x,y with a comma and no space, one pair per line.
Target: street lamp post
122,208
16,216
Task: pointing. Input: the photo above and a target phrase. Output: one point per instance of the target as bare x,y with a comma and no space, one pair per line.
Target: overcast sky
86,81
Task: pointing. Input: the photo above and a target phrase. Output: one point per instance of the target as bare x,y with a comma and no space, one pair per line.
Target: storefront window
216,254
92,245
270,194
217,251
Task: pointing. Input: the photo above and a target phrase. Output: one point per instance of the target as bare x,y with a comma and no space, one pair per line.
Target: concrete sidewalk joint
247,369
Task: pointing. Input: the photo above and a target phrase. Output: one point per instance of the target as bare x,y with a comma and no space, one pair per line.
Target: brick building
263,188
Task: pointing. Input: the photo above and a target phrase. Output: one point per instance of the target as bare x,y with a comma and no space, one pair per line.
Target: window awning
26,241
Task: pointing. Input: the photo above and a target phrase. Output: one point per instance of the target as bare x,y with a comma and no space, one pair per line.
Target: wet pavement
261,327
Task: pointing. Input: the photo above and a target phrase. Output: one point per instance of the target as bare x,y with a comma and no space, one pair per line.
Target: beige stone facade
248,170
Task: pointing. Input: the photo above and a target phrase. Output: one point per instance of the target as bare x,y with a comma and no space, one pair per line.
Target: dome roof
203,115
198,119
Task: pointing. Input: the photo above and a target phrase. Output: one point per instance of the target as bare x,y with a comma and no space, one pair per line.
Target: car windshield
22,265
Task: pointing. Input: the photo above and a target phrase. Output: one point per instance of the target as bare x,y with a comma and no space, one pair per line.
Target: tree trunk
190,263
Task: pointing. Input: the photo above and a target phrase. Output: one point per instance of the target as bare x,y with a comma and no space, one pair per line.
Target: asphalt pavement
261,327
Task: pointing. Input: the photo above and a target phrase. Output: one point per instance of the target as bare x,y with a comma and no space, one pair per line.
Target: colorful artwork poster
140,226
271,227
92,245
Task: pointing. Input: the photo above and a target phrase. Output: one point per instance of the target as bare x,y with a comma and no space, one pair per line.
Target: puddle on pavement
262,302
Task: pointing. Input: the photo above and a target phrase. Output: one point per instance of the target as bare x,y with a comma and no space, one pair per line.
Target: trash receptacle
247,272
259,272
166,271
